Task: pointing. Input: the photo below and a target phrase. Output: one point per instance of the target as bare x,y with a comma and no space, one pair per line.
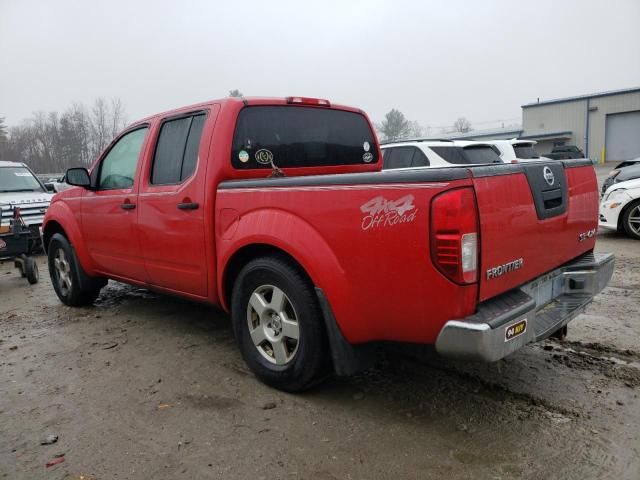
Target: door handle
188,206
128,206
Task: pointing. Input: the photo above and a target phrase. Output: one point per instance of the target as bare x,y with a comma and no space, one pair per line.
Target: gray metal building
606,125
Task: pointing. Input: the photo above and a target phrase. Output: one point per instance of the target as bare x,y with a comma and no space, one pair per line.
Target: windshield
18,179
525,151
301,137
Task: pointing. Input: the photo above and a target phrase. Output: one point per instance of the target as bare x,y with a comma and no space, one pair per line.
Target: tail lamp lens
454,235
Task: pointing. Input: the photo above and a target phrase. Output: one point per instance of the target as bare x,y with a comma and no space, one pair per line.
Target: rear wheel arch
247,253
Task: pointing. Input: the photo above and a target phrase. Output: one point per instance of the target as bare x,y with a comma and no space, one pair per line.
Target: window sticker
366,146
243,156
22,174
264,156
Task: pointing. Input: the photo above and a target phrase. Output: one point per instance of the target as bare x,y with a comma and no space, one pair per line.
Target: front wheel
278,325
65,274
631,220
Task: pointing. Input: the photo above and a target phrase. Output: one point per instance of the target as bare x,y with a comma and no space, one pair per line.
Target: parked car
620,208
630,172
514,150
276,211
628,163
19,187
57,184
437,153
565,152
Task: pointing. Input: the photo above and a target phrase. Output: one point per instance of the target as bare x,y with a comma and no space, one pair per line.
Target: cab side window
118,167
176,153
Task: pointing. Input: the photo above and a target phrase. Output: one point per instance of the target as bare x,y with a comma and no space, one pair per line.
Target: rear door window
419,159
467,155
177,150
525,151
403,157
293,136
482,154
451,154
398,157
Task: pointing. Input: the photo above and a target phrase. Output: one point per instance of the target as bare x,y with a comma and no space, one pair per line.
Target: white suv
515,150
19,187
437,153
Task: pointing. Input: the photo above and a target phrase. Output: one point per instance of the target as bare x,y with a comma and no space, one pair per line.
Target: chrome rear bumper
530,313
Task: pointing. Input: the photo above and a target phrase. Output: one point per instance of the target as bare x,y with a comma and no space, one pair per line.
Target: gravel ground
149,386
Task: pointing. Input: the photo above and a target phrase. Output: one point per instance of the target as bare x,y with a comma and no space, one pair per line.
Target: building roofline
534,136
487,133
583,97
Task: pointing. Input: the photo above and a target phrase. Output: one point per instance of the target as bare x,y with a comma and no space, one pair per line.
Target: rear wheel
64,270
277,323
631,220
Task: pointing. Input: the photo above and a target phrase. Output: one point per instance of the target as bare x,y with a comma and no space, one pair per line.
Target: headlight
617,193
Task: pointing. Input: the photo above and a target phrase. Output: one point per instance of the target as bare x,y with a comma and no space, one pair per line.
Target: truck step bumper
530,313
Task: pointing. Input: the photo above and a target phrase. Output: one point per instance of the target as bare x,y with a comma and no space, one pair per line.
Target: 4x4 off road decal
381,212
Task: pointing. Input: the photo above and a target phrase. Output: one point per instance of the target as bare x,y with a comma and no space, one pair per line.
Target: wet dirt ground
148,386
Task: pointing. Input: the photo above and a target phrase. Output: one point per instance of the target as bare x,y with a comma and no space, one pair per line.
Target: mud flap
347,359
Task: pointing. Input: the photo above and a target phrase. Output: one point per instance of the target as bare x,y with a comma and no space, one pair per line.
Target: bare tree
4,138
51,142
100,126
118,118
415,130
235,93
462,125
394,126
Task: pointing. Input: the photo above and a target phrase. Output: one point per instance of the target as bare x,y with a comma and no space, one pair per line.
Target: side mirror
50,187
78,177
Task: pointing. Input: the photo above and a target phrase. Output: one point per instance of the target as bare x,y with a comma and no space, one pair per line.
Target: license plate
515,330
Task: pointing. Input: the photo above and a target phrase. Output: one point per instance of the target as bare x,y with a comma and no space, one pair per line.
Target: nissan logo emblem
548,176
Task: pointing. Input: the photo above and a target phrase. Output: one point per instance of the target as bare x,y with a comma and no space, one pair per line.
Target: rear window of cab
295,136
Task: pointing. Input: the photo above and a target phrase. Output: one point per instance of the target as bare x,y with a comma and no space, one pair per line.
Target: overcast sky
433,60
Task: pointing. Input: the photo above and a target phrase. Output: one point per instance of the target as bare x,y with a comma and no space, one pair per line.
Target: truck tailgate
534,217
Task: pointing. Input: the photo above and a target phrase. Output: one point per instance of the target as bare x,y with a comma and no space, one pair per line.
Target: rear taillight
309,101
454,235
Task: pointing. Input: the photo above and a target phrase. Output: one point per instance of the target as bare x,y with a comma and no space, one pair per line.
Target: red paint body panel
378,275
380,281
510,228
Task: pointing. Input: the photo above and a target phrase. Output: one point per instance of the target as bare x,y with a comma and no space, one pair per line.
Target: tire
65,271
631,220
289,307
31,270
18,264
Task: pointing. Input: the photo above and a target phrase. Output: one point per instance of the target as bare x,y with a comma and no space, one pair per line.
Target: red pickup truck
276,210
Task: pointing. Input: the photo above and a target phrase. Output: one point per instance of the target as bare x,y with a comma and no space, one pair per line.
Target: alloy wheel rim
273,324
634,220
63,272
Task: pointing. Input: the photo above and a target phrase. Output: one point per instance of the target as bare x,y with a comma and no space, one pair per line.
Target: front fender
295,236
61,214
